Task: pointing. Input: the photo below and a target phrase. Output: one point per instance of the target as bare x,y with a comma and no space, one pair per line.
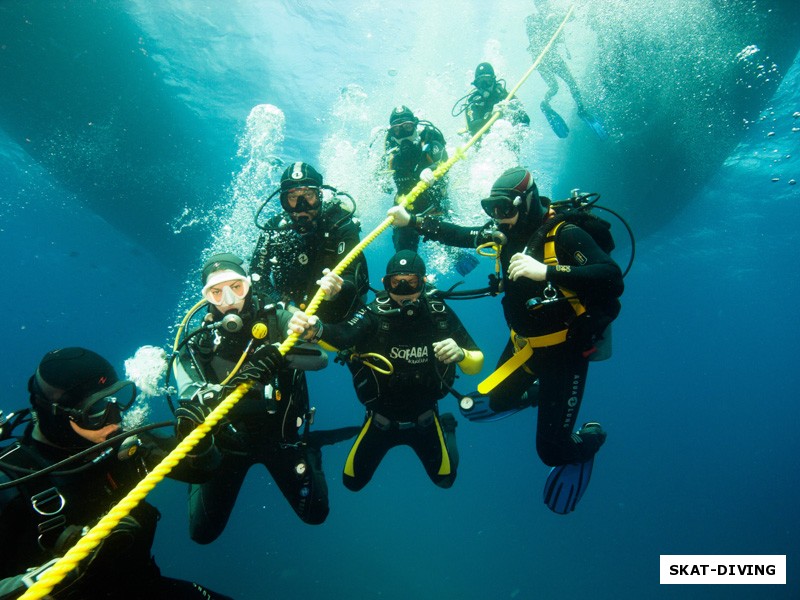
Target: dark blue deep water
137,137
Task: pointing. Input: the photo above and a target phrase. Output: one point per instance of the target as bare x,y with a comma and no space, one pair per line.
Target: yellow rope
55,574
460,152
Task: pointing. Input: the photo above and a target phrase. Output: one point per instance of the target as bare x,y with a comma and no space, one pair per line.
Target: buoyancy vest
563,307
51,512
406,341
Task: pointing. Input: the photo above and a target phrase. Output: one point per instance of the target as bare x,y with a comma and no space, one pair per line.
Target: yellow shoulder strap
551,259
550,245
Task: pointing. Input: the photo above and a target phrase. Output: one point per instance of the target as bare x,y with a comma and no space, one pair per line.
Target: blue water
700,398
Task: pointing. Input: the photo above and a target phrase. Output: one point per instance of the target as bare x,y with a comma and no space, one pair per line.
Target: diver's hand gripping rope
54,575
99,532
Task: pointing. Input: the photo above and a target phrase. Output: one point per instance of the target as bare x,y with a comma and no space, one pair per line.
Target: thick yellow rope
498,112
54,575
460,152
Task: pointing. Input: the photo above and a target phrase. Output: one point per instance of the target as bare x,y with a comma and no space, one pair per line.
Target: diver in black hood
414,148
560,293
402,350
77,401
302,244
479,104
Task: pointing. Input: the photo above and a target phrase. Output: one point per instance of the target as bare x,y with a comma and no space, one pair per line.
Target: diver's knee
353,484
446,482
552,454
316,516
203,535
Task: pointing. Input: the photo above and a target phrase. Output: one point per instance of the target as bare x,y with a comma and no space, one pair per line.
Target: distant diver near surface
539,26
479,103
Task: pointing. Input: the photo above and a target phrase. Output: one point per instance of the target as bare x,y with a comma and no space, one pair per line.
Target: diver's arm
187,379
517,113
472,363
192,469
352,332
355,278
450,234
303,356
596,273
434,228
14,587
261,268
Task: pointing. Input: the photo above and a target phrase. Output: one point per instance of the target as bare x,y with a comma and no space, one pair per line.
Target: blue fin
565,486
481,412
594,123
556,122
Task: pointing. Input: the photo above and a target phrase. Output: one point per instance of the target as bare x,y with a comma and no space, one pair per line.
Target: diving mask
303,199
403,284
227,292
484,83
97,410
401,132
500,207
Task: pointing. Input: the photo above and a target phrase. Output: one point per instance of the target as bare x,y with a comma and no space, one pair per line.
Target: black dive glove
190,413
261,366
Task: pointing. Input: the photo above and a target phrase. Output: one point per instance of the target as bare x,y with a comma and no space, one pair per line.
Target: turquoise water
135,138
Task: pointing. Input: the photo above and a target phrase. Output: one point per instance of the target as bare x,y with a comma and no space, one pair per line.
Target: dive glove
261,366
189,414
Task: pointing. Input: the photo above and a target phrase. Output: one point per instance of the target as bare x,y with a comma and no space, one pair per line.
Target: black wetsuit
286,264
263,427
407,159
122,567
480,106
402,408
593,276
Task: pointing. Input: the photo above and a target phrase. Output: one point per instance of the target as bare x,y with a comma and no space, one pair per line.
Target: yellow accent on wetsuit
348,465
444,468
472,362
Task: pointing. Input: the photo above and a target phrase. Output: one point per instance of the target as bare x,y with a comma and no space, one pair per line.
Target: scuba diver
237,342
413,149
72,464
560,293
479,104
539,26
401,349
311,236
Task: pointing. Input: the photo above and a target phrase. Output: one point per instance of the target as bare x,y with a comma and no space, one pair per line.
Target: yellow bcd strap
550,258
524,350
